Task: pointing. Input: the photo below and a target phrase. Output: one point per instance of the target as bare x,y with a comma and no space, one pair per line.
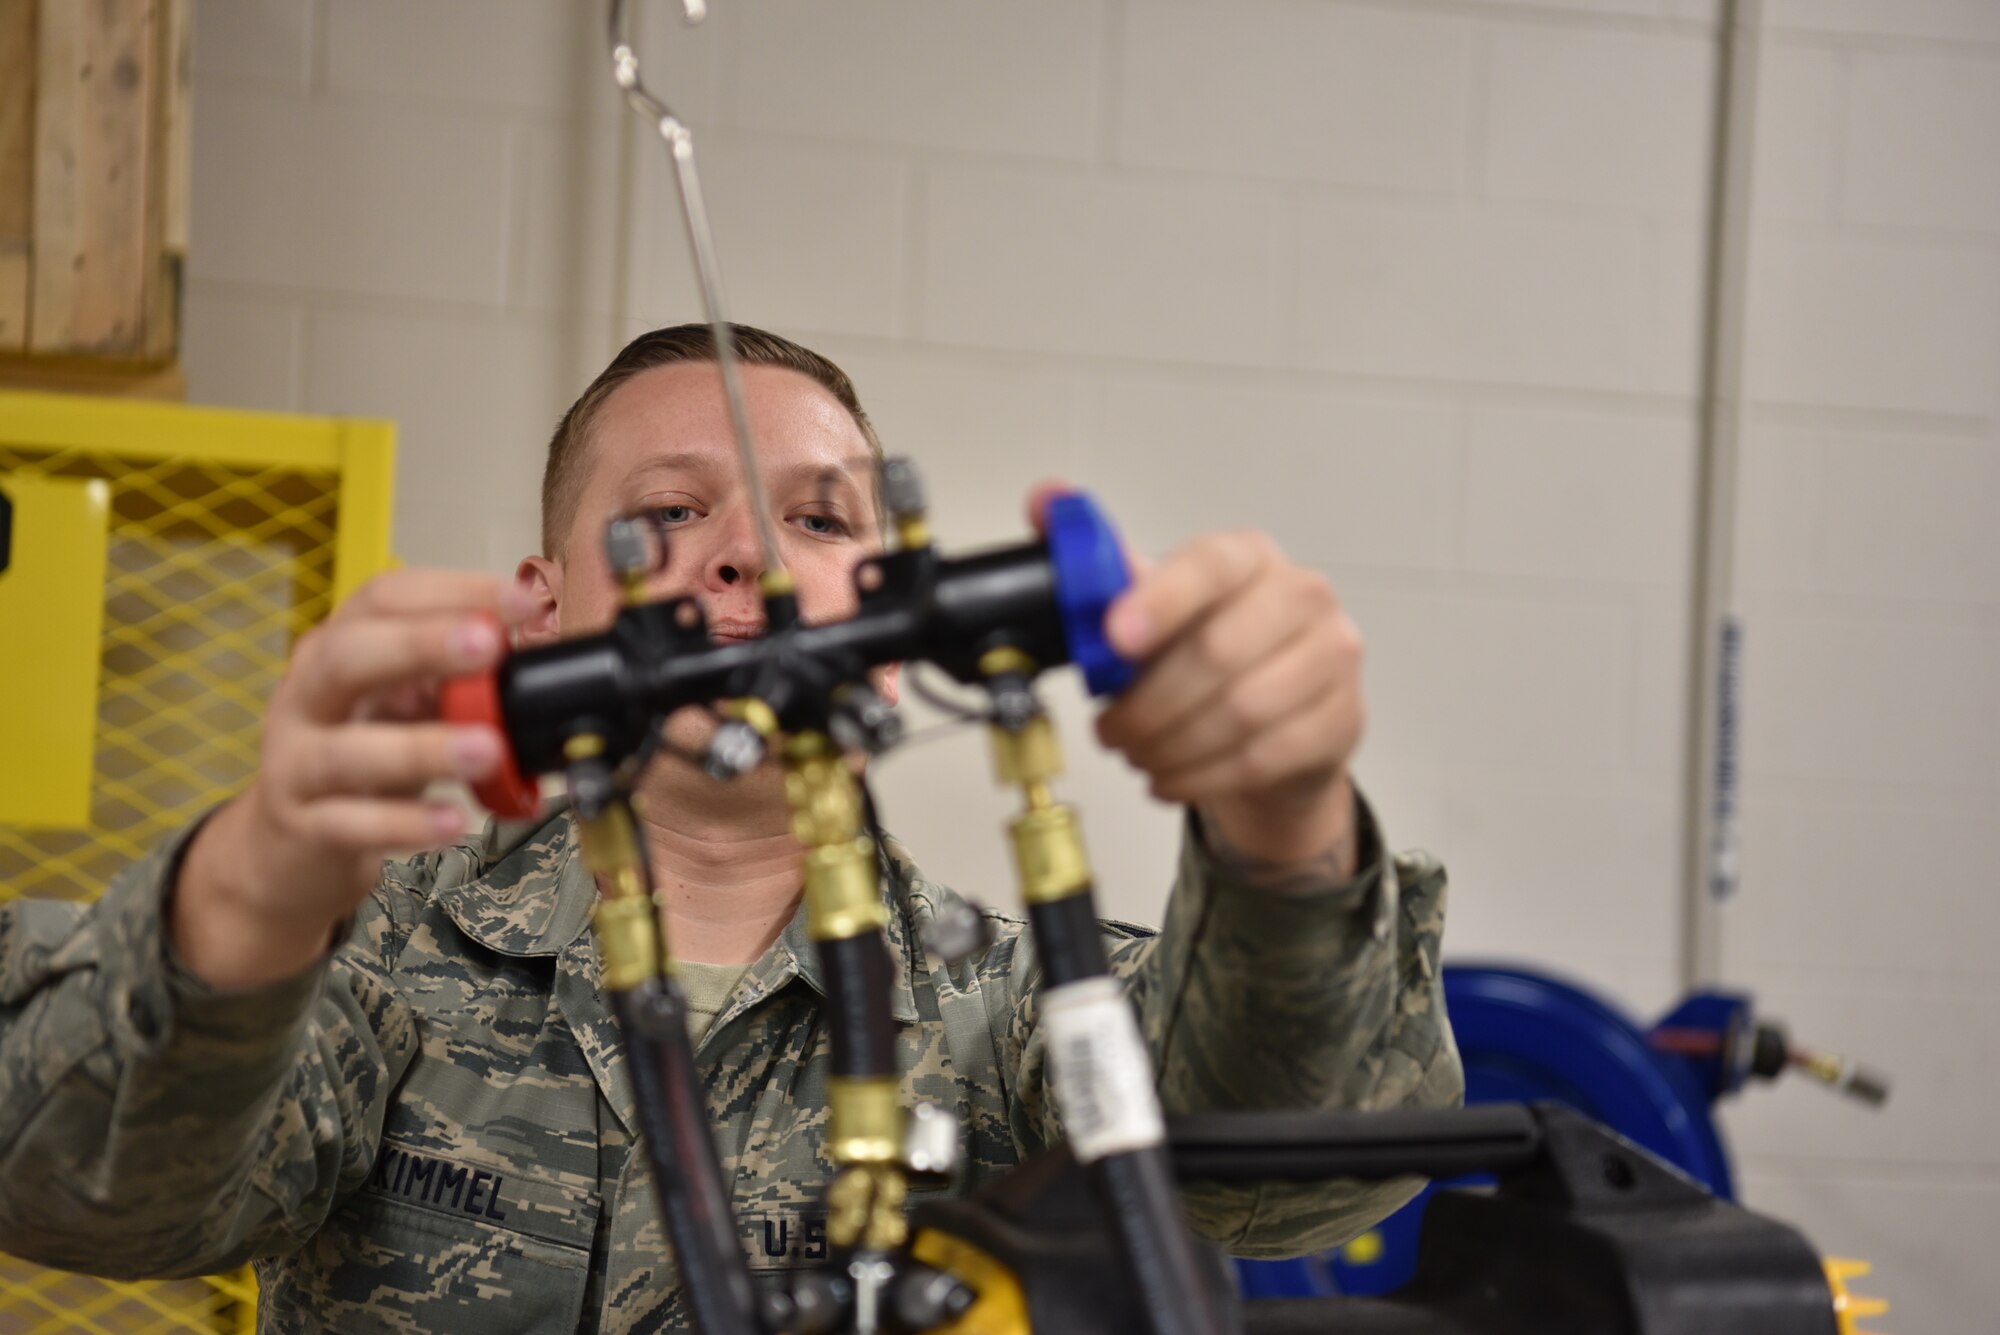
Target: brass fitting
1048,845
628,941
754,712
627,921
864,1202
611,849
900,492
866,1120
775,583
1048,852
842,896
825,801
864,1208
999,662
1031,756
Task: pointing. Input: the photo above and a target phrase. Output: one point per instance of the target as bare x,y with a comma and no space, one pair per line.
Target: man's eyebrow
856,472
688,461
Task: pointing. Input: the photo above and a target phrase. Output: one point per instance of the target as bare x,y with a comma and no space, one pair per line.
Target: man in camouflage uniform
399,1089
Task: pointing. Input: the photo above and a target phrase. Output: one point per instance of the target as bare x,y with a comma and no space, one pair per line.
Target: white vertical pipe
1709,854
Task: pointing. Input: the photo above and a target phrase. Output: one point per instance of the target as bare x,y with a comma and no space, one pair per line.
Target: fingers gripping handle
475,698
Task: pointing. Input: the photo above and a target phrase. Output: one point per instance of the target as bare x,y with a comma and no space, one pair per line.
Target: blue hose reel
1525,1036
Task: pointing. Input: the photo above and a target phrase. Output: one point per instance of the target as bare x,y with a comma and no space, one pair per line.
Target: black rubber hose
674,1127
1135,1187
859,984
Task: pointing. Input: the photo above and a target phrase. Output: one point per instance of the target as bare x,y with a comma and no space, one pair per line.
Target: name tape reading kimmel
1103,1077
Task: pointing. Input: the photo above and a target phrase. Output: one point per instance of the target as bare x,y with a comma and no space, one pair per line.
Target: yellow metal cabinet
209,540
52,545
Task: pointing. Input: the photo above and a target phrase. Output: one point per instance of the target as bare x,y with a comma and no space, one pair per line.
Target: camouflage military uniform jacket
432,1131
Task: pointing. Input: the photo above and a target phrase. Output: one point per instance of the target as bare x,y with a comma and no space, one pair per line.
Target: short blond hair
564,473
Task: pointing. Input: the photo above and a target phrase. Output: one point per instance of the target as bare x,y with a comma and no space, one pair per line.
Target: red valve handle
476,699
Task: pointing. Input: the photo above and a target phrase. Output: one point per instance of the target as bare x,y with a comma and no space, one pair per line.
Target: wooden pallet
93,190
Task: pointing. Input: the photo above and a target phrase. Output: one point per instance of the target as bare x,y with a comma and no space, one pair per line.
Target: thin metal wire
708,271
916,674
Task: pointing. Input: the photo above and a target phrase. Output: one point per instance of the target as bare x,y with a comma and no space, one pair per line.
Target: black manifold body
657,657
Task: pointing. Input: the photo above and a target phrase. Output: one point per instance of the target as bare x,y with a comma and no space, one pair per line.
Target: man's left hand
1248,703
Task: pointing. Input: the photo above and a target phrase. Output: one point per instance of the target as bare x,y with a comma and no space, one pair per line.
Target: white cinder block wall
1414,284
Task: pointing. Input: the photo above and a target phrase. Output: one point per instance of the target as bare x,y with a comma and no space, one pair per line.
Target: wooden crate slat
167,219
17,167
94,133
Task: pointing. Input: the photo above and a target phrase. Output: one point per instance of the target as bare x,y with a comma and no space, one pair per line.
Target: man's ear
542,581
889,681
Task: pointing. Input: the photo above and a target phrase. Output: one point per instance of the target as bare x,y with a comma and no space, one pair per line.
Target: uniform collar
529,894
526,891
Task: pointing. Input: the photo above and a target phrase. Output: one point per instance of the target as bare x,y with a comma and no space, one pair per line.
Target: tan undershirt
708,988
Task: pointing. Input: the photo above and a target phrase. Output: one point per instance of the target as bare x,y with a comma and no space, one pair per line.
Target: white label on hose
1103,1078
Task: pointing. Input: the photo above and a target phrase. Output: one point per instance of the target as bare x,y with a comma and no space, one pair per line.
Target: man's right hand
351,739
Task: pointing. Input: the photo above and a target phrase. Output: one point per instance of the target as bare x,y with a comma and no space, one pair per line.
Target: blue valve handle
1090,572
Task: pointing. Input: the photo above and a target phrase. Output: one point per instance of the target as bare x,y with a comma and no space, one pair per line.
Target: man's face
662,448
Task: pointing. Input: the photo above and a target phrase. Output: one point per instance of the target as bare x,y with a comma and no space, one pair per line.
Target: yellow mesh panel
215,566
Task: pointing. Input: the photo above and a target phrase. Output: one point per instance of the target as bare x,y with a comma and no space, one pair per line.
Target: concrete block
1409,801
1562,870
1800,91
1047,262
562,243
1674,320
1305,92
1707,12
1851,880
1920,142
348,198
1489,295
240,352
1912,517
474,404
808,238
1945,20
1780,501
1017,78
1660,697
502,53
1603,118
1532,9
252,41
982,434
1882,698
512,529
1840,321
1339,480
1541,684
1382,289
1559,301
1407,680
1573,495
